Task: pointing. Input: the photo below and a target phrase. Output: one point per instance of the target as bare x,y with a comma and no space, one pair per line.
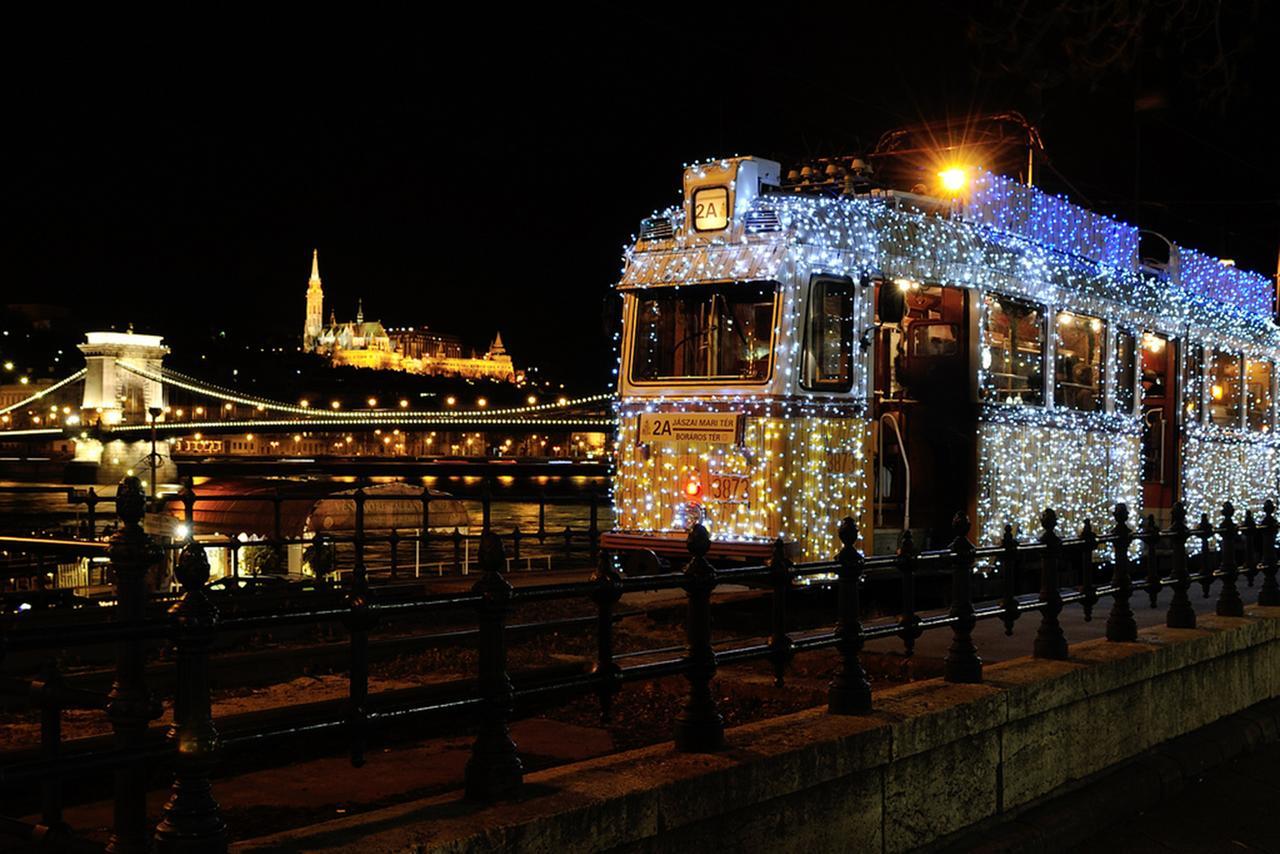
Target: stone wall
931,760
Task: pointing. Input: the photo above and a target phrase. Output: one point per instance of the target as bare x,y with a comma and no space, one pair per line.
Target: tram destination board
723,428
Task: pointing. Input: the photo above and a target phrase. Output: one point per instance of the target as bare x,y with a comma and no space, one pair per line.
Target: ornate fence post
1050,641
1250,547
909,623
1088,544
1204,532
1121,626
494,770
1229,602
607,592
780,651
849,692
486,504
1009,611
1270,592
699,727
1150,536
593,529
1181,615
962,663
192,822
359,619
393,541
130,705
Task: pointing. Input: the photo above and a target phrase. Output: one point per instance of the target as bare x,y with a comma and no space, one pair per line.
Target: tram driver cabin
798,351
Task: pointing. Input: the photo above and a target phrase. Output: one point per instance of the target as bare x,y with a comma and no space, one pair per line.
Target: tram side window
1125,367
704,332
1013,352
1078,374
1258,394
829,337
1224,389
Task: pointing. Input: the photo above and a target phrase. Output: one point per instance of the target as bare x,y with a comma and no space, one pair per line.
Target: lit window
722,332
1078,373
1224,389
829,336
1013,352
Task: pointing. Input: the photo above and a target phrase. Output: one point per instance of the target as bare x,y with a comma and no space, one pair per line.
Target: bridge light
24,380
404,403
336,404
248,437
562,400
304,403
531,399
261,407
179,413
199,436
199,410
450,400
227,407
373,401
481,402
8,366
297,438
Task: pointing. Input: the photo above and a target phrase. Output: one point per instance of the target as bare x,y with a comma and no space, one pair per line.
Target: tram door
1160,423
925,418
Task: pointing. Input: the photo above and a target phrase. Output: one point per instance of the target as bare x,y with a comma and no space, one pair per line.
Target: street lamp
153,458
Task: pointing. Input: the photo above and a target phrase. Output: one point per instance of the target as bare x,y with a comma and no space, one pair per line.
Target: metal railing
192,820
530,548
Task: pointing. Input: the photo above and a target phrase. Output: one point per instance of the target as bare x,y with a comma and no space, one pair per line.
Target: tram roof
1076,259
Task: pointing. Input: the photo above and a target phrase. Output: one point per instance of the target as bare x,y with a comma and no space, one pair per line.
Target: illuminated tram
797,350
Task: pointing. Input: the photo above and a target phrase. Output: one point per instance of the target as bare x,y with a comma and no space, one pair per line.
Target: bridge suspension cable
44,392
198,386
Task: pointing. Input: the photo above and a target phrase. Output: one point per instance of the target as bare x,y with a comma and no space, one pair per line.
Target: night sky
473,180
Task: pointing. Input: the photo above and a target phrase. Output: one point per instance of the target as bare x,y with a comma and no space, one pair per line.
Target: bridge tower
121,395
115,395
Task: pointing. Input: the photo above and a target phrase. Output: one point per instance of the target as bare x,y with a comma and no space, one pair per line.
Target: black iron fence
1146,560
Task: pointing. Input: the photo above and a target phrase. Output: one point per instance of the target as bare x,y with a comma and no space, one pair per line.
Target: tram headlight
693,489
954,179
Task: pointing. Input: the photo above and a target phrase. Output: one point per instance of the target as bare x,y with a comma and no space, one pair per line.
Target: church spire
315,268
360,311
314,322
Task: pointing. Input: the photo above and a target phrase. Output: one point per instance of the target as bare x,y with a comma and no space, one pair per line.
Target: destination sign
722,428
710,208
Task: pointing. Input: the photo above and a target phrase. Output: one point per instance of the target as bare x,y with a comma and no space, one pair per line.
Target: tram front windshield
711,332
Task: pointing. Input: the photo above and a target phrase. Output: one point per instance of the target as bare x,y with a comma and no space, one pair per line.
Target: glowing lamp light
954,178
693,488
1216,391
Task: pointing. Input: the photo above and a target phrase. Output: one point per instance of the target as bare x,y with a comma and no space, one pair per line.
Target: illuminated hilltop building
368,344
